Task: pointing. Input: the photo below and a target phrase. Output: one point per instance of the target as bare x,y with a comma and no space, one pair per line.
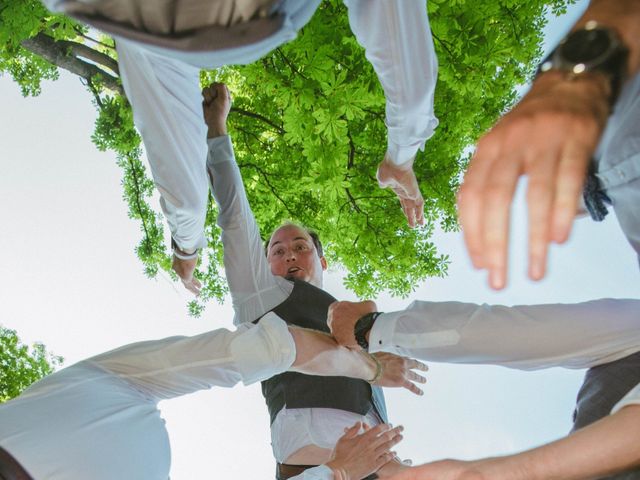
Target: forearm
608,446
624,17
318,354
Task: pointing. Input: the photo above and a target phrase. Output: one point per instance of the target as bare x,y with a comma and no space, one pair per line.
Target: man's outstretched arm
550,136
608,446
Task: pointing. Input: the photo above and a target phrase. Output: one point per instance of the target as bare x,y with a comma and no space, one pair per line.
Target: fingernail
496,279
536,270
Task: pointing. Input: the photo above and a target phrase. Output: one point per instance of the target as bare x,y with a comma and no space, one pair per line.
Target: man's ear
323,262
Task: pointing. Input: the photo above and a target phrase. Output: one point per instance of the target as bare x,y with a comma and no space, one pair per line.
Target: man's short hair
314,237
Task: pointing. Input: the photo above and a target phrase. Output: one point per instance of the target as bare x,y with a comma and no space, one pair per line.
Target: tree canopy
21,365
308,129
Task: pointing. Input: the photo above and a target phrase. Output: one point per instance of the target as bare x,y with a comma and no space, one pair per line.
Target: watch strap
363,326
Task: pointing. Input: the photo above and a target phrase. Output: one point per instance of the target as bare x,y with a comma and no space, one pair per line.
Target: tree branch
257,116
81,50
57,53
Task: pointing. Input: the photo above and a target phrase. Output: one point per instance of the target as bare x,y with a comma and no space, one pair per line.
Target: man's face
292,255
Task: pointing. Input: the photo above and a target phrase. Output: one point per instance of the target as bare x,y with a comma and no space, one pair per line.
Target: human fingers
471,196
414,377
419,210
208,94
387,440
571,175
412,387
500,187
221,90
352,431
191,286
408,209
540,195
414,364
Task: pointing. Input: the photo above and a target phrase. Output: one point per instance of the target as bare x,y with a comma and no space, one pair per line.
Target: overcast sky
69,278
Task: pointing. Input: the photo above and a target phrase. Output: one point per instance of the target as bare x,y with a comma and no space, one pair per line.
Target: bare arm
609,446
319,354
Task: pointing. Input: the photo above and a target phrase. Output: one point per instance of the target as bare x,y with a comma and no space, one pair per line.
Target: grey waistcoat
307,307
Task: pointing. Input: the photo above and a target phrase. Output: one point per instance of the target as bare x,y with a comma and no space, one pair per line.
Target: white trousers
98,419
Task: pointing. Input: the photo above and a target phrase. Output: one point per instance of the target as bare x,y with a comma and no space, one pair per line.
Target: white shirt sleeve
398,43
254,289
523,337
167,110
631,398
317,473
176,366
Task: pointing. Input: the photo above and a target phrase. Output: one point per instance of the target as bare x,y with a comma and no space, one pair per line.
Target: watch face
586,46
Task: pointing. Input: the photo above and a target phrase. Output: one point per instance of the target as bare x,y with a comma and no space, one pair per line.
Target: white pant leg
98,419
524,337
167,110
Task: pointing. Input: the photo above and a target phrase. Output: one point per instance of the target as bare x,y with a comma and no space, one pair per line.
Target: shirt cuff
220,149
316,473
631,398
401,153
381,334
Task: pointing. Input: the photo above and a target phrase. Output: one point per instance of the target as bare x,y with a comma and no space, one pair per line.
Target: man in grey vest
163,45
601,335
307,414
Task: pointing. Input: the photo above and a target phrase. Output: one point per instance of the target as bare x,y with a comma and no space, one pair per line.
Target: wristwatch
594,48
182,254
363,326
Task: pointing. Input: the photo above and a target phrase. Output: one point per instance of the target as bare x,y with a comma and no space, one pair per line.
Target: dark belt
284,471
10,469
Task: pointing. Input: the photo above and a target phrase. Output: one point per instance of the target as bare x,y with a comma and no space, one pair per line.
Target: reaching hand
342,318
398,372
550,136
357,455
402,180
185,269
216,106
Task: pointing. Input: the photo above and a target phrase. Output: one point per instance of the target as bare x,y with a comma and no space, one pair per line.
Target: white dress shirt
164,91
532,337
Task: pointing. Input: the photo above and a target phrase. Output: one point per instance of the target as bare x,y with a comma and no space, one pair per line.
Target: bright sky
69,278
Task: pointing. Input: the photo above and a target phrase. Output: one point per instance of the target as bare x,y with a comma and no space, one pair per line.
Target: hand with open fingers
342,318
550,137
357,455
216,104
402,180
185,269
398,372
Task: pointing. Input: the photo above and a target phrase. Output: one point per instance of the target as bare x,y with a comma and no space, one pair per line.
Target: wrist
362,329
339,473
183,254
217,131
